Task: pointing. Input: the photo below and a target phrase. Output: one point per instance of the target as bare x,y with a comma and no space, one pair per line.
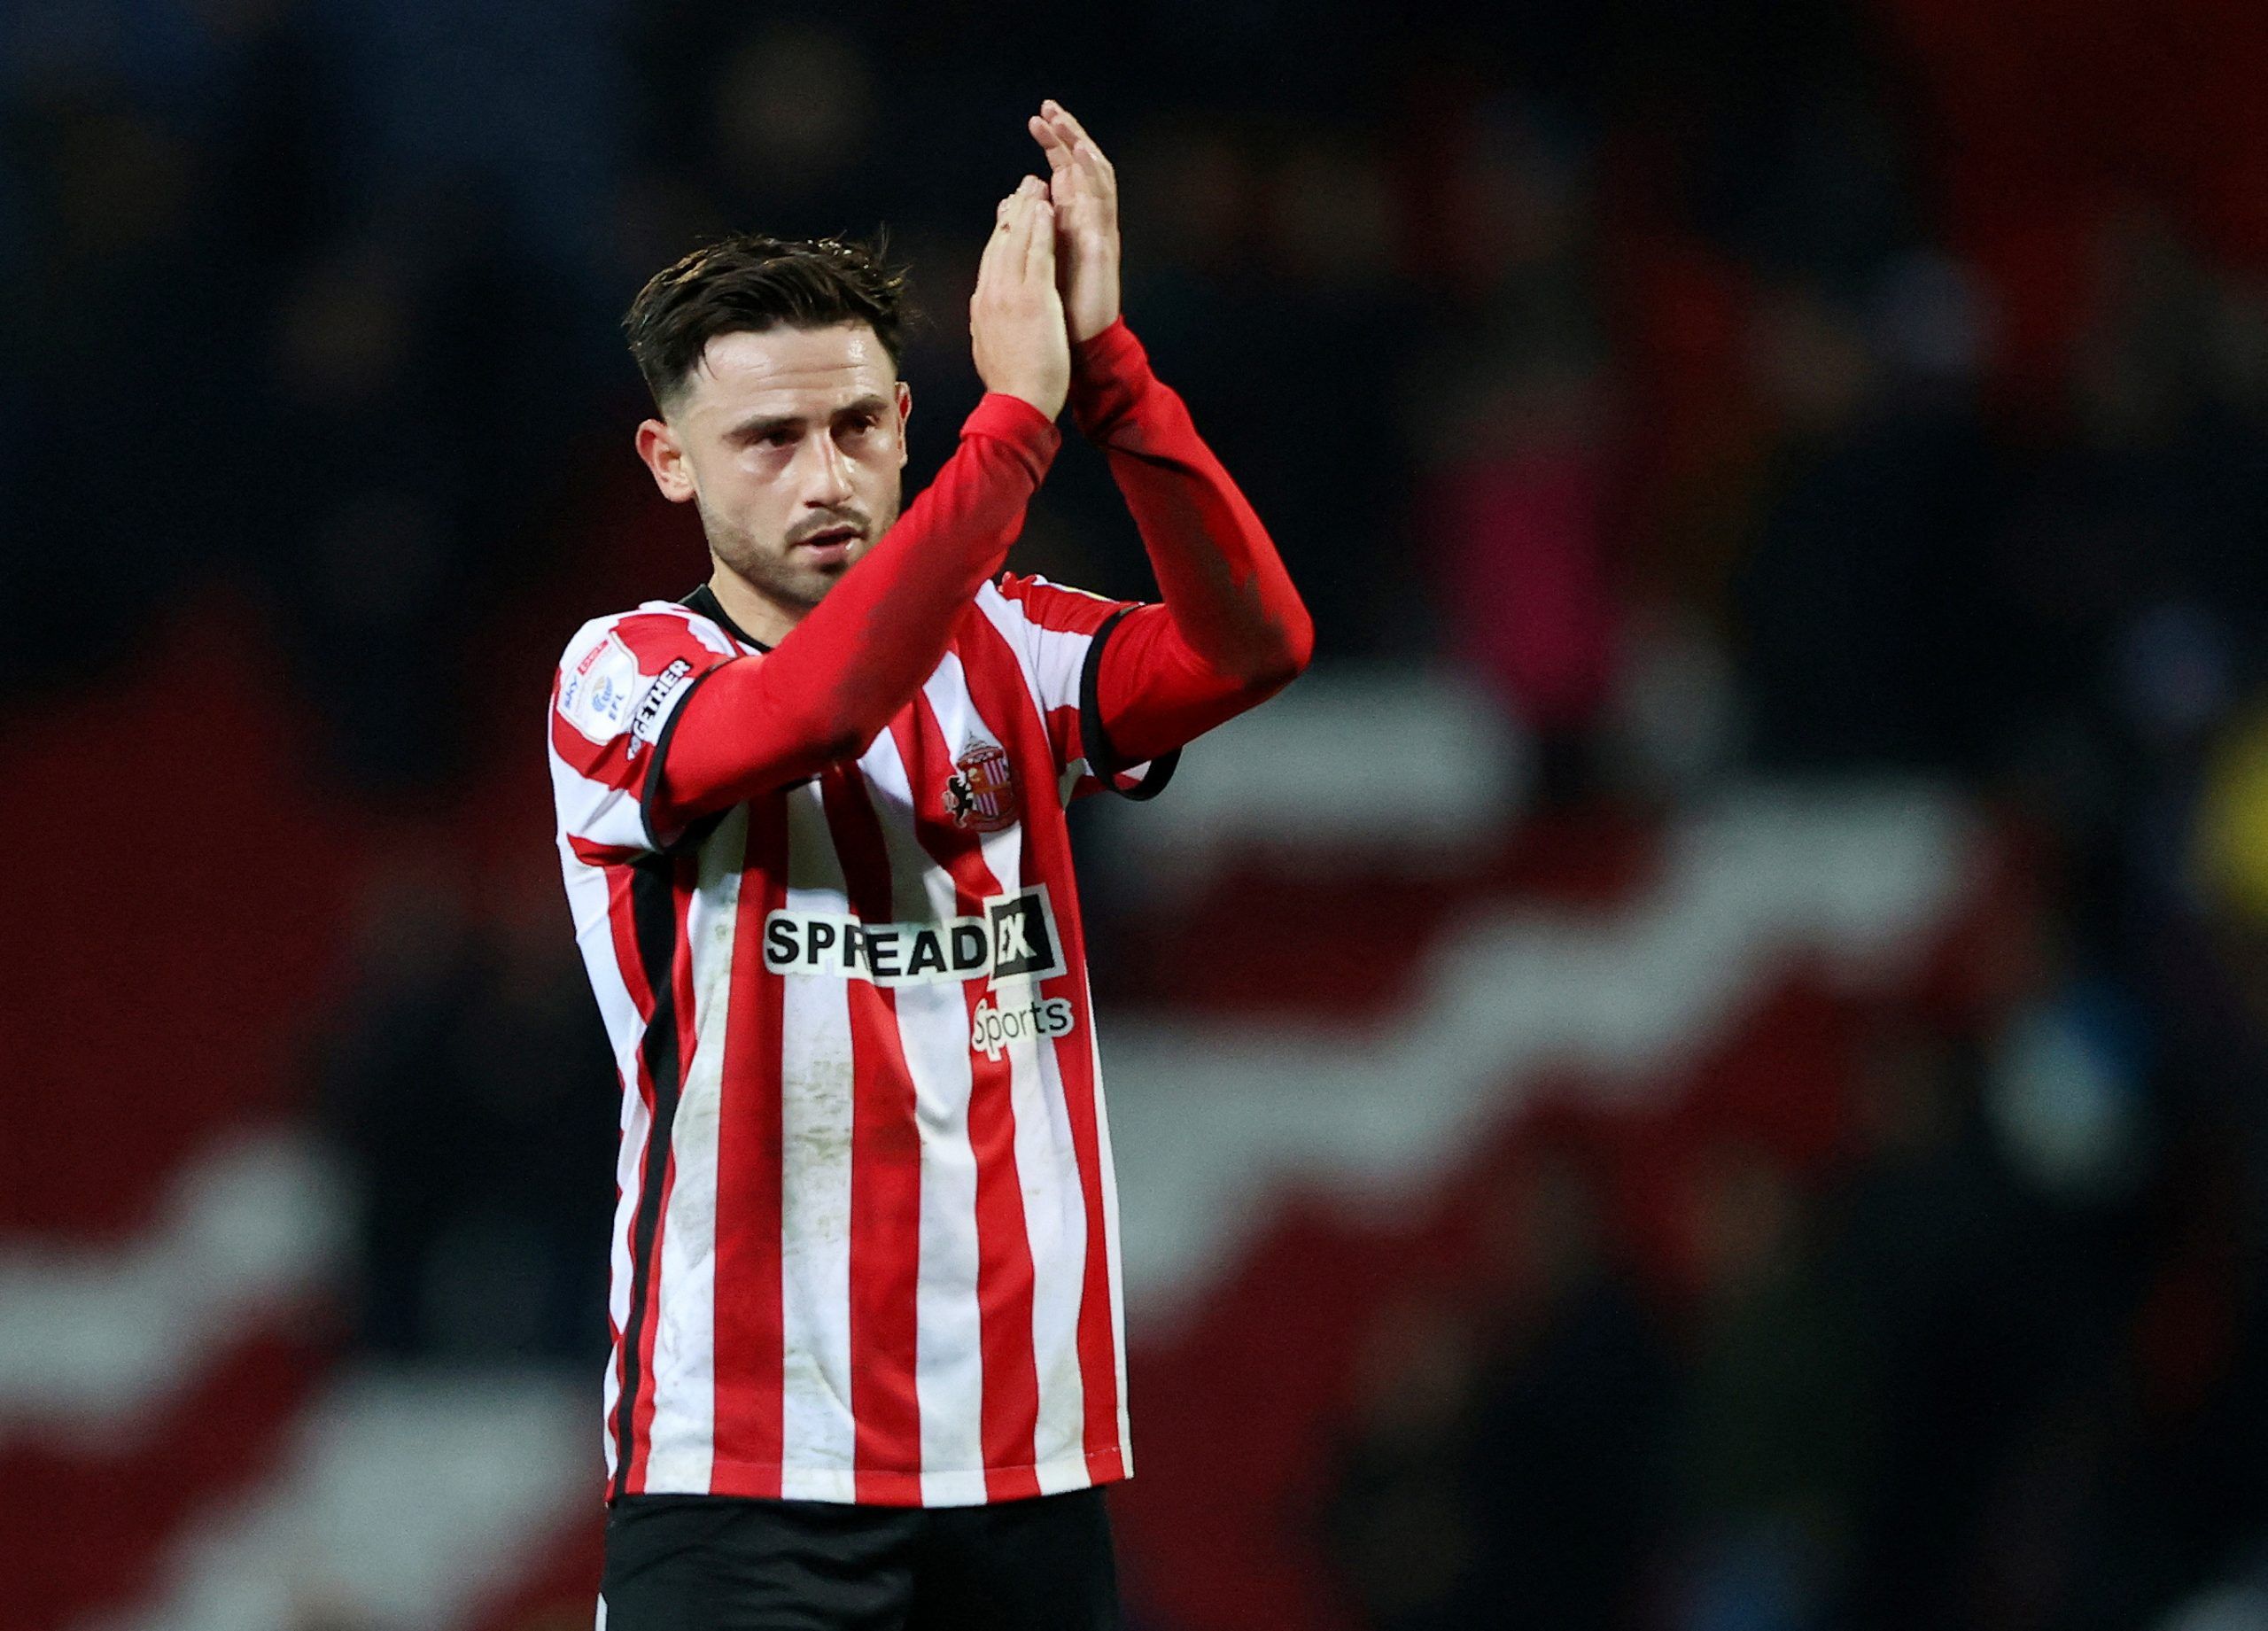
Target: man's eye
776,439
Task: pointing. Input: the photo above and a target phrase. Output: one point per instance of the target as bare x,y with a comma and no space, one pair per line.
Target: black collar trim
703,600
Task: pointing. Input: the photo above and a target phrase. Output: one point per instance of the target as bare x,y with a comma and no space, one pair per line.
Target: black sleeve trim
652,784
1102,758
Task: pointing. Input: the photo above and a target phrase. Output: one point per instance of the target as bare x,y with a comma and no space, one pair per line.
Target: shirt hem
838,1485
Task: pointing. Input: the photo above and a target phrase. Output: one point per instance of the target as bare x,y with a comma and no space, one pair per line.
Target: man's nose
827,484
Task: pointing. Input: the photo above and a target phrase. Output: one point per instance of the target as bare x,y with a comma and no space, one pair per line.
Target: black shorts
721,1562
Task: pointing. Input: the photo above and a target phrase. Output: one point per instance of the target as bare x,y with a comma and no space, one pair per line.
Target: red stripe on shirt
623,933
642,1416
1063,723
657,639
749,1319
991,667
609,763
638,1396
684,878
603,854
885,1180
1009,1419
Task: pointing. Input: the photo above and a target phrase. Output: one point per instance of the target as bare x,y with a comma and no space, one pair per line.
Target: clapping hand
1083,188
1015,317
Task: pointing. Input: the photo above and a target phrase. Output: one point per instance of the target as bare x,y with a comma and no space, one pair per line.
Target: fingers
1085,184
996,244
1082,174
1028,217
1006,249
1039,233
1020,218
1066,181
1072,134
1013,218
1093,171
1056,145
1056,114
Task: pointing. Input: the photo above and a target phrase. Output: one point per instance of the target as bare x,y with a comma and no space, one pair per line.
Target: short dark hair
749,282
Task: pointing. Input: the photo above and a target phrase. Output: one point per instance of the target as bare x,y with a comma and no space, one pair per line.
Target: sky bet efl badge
980,794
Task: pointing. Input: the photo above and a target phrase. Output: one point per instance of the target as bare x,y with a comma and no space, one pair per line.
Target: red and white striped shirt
866,1243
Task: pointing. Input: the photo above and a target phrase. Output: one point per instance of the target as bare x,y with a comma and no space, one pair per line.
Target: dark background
1737,394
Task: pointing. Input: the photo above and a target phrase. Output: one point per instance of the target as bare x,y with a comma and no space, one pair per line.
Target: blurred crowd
1747,387
1964,1371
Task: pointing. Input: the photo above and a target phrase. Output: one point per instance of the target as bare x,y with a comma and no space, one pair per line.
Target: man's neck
760,617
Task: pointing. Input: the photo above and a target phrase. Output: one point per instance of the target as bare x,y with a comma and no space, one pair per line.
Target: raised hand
1015,317
1083,188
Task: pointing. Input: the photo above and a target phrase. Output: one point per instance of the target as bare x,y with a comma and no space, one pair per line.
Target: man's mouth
831,545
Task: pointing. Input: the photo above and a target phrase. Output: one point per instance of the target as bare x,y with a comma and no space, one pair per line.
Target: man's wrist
1109,374
1104,344
1007,417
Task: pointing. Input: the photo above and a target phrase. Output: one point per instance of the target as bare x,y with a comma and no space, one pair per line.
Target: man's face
792,443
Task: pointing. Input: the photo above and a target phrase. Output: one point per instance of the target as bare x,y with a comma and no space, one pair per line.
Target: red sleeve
836,682
1061,634
1232,631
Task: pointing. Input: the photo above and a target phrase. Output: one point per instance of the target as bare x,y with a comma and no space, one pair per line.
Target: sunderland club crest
981,793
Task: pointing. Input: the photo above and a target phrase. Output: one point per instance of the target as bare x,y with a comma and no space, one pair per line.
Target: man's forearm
1232,630
837,679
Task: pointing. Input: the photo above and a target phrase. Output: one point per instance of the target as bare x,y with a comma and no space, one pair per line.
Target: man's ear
658,446
904,412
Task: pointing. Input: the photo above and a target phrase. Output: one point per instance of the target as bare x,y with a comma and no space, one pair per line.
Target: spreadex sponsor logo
1015,939
992,1029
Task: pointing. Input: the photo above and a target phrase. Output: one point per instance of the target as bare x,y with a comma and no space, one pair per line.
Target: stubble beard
772,569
